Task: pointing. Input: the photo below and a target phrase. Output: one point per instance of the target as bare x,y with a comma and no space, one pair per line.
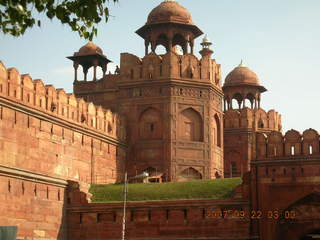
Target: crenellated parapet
170,65
292,144
252,118
57,103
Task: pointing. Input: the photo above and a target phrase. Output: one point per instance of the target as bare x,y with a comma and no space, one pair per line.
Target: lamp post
125,192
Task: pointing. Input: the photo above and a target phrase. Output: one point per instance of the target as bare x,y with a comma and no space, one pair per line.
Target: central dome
170,11
242,75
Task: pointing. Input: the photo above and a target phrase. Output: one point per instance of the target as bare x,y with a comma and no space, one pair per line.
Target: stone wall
164,220
34,203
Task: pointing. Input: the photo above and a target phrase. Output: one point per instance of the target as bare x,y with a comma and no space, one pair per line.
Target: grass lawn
200,189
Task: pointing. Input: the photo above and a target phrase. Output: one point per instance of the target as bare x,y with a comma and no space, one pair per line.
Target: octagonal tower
172,102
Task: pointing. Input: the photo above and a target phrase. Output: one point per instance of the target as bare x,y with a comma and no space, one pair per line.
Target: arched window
292,150
162,44
190,125
161,50
179,43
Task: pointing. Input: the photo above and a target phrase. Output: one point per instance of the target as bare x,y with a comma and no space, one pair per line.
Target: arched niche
275,144
232,163
189,174
310,142
150,124
217,131
190,125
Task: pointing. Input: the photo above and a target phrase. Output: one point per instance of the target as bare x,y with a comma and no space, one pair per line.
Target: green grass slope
200,189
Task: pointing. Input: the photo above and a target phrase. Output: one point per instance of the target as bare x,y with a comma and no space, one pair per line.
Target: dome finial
241,64
206,42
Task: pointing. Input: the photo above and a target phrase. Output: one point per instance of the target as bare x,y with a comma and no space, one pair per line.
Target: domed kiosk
89,55
169,24
241,84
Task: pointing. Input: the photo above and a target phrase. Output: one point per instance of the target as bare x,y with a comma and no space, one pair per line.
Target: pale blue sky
278,39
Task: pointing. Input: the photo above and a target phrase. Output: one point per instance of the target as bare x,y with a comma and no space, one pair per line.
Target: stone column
85,72
75,66
146,44
170,45
104,70
192,46
95,65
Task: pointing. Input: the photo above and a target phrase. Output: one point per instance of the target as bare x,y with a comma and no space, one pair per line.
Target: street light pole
125,191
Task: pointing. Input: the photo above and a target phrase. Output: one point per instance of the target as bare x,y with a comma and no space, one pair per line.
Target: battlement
293,144
170,65
57,103
252,118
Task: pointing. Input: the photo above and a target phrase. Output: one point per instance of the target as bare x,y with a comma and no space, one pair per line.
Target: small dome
89,49
170,11
241,75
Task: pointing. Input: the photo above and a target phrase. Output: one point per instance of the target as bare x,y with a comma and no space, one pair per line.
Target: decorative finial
241,64
206,42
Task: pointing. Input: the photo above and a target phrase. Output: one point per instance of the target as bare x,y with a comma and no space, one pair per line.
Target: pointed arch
190,125
306,219
162,40
150,124
189,174
179,40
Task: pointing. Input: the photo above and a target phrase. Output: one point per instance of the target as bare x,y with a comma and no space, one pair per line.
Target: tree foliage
16,16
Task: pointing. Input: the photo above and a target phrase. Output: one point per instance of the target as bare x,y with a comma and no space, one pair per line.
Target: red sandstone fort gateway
169,115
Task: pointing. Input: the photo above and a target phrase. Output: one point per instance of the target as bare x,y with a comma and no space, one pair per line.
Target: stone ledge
31,176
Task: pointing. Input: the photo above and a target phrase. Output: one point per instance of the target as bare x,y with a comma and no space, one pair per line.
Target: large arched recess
306,221
150,124
190,125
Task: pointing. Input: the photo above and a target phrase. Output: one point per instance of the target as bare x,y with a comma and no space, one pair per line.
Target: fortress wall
46,138
160,220
50,132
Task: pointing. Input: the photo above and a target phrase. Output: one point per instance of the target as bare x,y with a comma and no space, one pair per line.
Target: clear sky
279,40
